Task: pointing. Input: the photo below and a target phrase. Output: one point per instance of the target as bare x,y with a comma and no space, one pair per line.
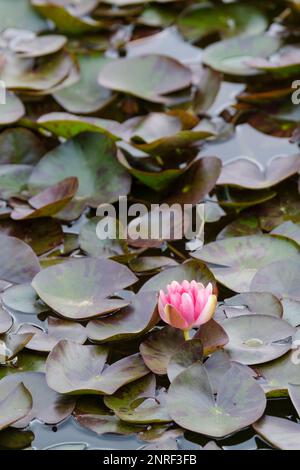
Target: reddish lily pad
146,77
75,369
18,262
47,405
83,288
192,404
212,336
57,330
235,261
14,404
136,319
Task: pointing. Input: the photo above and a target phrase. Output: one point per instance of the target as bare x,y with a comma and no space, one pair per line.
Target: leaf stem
186,334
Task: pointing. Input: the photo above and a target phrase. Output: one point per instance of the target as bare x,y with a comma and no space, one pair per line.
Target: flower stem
186,334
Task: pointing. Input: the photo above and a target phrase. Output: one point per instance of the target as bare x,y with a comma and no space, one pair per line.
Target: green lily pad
254,339
136,319
260,303
101,180
6,321
75,369
13,179
277,375
20,14
232,56
281,433
190,352
66,19
24,362
23,298
15,439
83,288
49,202
146,77
14,404
189,270
142,388
20,146
12,110
228,20
146,410
47,405
159,347
18,262
235,261
57,330
92,414
283,64
192,404
146,264
85,96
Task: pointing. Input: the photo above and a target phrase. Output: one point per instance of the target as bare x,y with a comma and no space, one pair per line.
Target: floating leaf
146,77
12,110
6,321
11,344
232,56
190,352
75,369
14,404
82,288
47,405
254,339
101,180
238,259
260,303
23,298
277,375
191,402
20,14
136,319
281,433
18,262
13,179
21,146
212,336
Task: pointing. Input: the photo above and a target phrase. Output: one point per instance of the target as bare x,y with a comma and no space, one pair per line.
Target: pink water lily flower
187,305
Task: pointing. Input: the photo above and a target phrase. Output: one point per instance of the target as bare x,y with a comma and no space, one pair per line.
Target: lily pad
192,404
13,179
142,388
212,336
23,298
101,180
235,261
281,433
277,375
11,344
260,303
228,20
12,110
20,146
6,321
136,319
47,405
232,56
146,77
18,262
85,96
254,339
57,330
83,288
78,370
14,404
190,352
20,14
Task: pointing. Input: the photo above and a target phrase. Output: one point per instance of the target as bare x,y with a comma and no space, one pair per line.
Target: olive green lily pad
283,64
26,361
57,330
159,347
15,439
136,319
18,263
47,405
190,352
75,369
142,388
20,146
192,404
92,159
231,56
92,414
82,288
85,96
281,433
13,179
146,77
254,339
49,202
12,110
228,20
14,404
277,375
146,264
235,261
189,270
6,321
146,410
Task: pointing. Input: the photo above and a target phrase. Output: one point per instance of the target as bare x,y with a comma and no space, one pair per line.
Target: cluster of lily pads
162,101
